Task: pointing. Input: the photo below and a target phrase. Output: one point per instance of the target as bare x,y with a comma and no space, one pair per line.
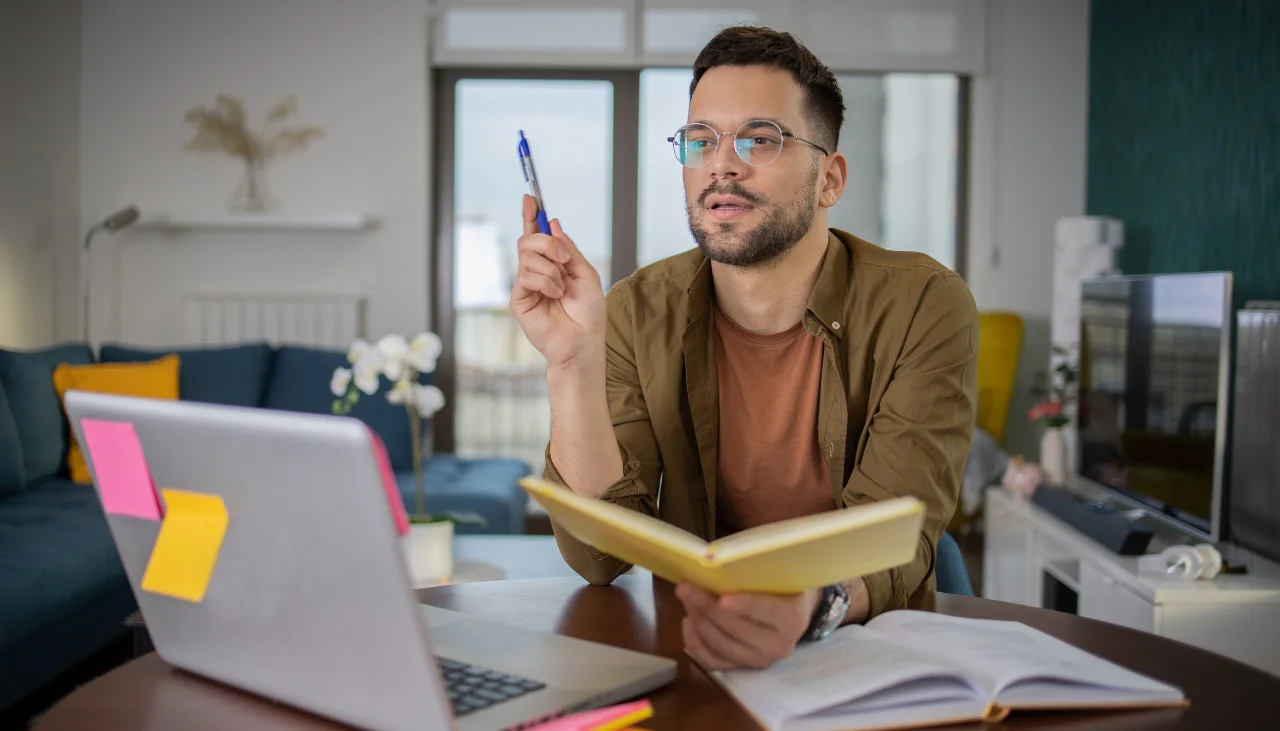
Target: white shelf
258,222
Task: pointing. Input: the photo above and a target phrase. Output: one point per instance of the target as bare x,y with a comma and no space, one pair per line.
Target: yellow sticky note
187,548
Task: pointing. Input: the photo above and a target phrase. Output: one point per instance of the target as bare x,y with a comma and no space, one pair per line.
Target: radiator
320,321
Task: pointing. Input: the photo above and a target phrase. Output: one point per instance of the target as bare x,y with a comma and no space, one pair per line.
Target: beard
781,229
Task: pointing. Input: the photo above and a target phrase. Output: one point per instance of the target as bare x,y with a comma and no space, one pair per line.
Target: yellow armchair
999,344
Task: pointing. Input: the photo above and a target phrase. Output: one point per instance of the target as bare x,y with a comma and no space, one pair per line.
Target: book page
854,662
1007,653
929,713
772,536
587,515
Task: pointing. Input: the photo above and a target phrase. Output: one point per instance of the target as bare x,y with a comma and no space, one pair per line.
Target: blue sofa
63,592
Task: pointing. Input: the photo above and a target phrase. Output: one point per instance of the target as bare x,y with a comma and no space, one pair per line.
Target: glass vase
251,194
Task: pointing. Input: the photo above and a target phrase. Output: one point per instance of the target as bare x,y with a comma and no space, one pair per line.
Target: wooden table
642,614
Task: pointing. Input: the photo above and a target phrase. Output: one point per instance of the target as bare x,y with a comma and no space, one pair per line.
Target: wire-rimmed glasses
758,142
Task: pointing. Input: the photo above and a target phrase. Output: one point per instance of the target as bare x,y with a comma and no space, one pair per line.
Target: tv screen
1153,387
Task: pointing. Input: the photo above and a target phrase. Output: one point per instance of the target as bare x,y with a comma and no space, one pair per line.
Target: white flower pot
429,550
1053,456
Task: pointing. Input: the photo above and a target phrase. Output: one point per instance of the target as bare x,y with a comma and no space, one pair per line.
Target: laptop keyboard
472,688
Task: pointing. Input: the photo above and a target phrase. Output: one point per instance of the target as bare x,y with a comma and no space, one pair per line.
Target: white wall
1027,169
39,208
359,69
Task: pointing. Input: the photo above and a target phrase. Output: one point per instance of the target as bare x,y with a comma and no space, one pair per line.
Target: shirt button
835,326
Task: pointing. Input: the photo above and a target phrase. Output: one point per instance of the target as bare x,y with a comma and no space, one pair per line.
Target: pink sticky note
123,476
601,719
389,484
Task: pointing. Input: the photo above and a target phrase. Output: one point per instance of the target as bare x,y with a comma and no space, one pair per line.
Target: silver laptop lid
309,601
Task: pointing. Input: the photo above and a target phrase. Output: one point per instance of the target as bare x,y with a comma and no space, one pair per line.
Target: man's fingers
528,282
737,649
537,263
704,656
694,597
551,248
576,263
743,625
529,214
768,611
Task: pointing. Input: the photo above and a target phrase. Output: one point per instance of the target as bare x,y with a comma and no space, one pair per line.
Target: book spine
994,713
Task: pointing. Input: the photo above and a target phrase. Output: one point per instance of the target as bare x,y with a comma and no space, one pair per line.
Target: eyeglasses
758,143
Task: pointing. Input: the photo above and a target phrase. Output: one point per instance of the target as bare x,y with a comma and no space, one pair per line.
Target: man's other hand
743,630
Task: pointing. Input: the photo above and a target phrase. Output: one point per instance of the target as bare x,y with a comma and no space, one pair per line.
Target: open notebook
906,669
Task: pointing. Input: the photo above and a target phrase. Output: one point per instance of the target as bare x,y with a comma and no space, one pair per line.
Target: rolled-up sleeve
641,464
919,438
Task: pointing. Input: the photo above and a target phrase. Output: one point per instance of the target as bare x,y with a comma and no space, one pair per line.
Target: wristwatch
829,614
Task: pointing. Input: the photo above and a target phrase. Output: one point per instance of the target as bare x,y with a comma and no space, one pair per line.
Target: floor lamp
121,219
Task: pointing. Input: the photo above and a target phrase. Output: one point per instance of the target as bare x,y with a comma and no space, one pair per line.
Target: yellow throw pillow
156,379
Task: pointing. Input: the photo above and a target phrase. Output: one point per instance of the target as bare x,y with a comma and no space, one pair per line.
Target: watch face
832,609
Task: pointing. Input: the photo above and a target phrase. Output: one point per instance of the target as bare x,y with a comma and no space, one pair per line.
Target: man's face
746,215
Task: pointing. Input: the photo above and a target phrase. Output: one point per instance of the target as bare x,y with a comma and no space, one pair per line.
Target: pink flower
1045,410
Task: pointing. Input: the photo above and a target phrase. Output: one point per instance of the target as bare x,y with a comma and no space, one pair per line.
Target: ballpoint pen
526,163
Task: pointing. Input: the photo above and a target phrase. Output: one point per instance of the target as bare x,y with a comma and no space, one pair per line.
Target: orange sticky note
613,718
123,476
186,550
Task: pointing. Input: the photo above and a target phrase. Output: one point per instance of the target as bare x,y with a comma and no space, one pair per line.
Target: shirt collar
826,302
831,289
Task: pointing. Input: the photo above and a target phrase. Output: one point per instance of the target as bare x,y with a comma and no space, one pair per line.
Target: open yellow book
786,557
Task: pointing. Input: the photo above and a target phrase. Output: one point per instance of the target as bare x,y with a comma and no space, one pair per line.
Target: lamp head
121,219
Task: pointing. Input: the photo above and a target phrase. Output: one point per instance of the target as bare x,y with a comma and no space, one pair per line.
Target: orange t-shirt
771,465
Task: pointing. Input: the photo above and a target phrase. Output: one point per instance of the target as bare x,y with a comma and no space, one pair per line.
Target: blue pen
526,163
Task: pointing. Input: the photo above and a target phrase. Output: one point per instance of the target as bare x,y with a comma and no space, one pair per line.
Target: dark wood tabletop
643,614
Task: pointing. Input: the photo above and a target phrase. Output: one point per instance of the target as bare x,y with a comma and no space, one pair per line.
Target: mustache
733,188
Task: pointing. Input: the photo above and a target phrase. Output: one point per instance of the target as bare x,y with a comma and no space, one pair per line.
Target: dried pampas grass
222,127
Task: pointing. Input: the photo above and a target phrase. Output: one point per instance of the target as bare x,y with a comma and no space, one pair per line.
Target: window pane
899,137
918,207
501,399
664,107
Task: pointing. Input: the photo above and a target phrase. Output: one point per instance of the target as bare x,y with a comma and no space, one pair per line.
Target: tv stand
1033,558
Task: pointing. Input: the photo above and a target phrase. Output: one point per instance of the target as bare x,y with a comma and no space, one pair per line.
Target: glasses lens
758,142
695,145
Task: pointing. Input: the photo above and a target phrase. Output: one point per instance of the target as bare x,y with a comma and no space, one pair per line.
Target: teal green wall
1184,135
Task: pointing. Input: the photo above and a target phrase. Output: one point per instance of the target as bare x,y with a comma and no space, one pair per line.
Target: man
778,370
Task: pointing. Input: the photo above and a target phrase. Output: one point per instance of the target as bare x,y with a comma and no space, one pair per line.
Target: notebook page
1008,652
852,663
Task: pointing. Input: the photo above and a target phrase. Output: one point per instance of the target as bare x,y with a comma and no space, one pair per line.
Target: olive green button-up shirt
897,401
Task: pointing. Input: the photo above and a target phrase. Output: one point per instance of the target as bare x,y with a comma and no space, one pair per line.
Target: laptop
310,602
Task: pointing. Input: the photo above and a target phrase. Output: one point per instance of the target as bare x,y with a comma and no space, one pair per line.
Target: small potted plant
429,547
1055,394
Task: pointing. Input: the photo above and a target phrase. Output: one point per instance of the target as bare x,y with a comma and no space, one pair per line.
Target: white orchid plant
402,362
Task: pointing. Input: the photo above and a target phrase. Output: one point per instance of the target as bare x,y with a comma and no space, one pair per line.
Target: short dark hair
746,45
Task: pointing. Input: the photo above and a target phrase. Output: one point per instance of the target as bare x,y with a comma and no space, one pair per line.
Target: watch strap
822,623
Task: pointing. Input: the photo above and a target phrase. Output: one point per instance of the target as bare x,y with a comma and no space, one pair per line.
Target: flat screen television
1153,393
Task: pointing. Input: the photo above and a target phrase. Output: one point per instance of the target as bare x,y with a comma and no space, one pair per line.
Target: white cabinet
1104,598
1234,615
1006,565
